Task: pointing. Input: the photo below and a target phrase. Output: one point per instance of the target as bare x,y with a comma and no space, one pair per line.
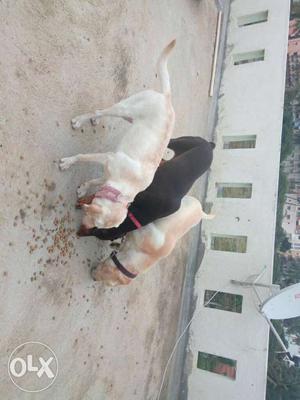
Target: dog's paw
82,190
94,271
66,163
95,121
76,122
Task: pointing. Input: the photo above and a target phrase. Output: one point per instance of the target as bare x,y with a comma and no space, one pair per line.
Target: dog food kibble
59,237
50,186
22,214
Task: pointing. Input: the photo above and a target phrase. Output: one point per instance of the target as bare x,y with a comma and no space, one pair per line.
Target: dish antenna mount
281,304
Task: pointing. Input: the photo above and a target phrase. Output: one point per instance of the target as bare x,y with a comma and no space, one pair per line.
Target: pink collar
134,220
109,193
112,194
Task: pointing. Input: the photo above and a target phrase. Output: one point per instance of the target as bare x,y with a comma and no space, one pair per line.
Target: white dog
144,247
131,168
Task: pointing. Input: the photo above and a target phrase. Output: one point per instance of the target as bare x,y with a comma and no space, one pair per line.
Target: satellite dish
283,305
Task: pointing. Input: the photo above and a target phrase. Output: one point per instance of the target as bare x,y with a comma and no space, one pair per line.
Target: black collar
120,267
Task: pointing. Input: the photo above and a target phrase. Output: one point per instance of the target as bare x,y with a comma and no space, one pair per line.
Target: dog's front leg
98,158
84,187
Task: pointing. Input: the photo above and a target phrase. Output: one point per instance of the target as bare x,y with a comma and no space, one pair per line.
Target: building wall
251,103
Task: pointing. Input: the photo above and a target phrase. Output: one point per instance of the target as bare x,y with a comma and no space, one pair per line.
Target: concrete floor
60,58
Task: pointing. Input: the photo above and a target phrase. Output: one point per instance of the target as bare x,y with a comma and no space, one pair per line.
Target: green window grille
234,190
251,19
216,364
223,301
231,243
249,57
239,142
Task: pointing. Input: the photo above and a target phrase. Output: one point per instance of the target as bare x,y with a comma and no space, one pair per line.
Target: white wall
251,103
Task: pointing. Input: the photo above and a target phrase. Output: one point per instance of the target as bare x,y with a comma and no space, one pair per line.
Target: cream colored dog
144,247
131,168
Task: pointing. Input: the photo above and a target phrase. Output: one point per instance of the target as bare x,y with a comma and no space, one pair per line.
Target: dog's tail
207,216
163,70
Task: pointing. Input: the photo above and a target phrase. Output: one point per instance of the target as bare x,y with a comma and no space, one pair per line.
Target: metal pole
245,283
217,42
275,333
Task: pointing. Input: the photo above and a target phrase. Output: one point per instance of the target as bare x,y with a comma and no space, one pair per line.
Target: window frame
249,57
224,188
239,139
249,17
219,237
209,363
223,301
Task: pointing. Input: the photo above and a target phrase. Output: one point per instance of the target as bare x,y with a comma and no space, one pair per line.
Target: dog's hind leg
185,143
98,158
118,110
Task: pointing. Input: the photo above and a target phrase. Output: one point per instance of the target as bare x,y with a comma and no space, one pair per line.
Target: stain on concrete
121,70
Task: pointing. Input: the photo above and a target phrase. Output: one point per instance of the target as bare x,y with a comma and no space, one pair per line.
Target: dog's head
102,215
107,272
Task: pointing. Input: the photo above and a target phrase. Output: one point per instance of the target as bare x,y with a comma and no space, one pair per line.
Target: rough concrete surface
58,59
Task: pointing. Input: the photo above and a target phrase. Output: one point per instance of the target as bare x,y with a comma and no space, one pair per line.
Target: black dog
172,181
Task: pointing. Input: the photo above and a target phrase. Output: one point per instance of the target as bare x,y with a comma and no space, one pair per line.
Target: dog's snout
83,231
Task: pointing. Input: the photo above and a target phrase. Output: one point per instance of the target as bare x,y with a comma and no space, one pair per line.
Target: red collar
109,193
